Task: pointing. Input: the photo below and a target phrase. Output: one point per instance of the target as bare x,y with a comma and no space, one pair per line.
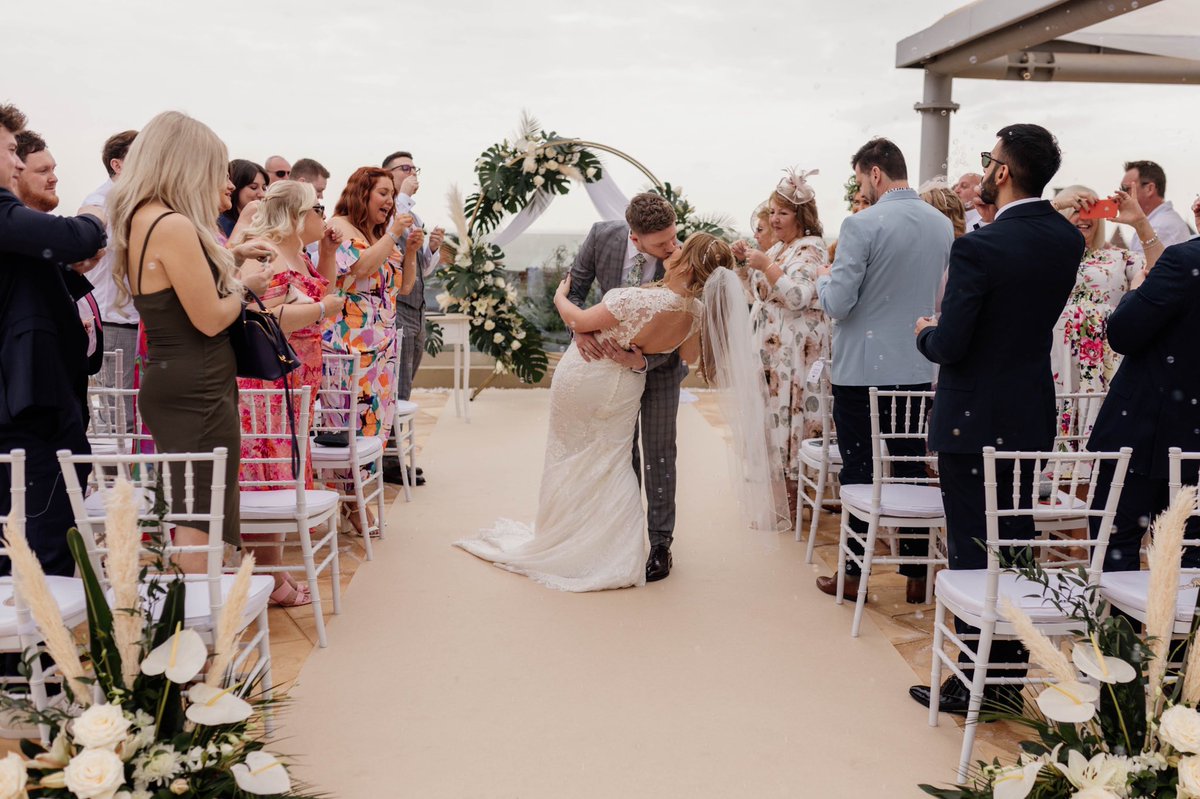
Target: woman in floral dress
1081,358
790,329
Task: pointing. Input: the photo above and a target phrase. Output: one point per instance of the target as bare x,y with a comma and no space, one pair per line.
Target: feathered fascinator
794,187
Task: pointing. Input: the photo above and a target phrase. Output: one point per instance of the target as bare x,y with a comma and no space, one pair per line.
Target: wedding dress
590,532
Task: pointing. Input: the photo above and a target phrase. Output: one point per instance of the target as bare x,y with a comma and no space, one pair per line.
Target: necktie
634,278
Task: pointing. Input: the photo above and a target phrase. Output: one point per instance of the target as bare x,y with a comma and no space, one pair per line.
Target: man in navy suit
1007,285
1153,403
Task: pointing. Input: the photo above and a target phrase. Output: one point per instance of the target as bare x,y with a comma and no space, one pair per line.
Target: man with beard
890,262
1007,286
43,366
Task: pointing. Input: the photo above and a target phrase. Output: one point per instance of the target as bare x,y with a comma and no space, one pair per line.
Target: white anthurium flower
1101,772
1016,782
13,776
1179,726
1071,702
180,657
1091,661
212,706
262,774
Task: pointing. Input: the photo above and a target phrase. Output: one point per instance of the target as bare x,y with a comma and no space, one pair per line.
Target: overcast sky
715,96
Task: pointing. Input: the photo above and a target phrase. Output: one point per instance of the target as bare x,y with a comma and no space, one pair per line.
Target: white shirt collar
1015,203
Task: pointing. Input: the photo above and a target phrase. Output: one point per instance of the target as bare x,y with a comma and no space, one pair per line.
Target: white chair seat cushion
1128,590
404,409
368,448
68,595
196,609
810,452
94,502
912,501
281,504
966,588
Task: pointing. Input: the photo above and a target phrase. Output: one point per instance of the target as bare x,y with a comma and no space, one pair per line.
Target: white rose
1189,776
1180,727
521,335
489,325
529,164
498,338
591,172
12,776
516,345
180,786
100,727
538,180
498,207
499,282
488,266
552,165
94,773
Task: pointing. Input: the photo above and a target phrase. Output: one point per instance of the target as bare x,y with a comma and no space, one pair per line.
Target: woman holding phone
1081,358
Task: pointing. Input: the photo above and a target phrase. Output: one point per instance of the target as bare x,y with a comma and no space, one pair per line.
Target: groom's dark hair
649,213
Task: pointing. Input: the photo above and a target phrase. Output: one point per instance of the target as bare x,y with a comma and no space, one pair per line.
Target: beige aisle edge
448,677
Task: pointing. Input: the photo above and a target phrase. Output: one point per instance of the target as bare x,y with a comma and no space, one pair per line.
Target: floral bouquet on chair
1114,724
145,721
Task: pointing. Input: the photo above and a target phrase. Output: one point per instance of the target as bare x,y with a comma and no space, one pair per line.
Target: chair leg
336,572
842,549
310,570
360,505
983,653
860,603
380,507
818,506
264,653
935,670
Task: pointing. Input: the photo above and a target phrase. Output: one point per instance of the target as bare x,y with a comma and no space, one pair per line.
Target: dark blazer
43,346
1153,402
1007,285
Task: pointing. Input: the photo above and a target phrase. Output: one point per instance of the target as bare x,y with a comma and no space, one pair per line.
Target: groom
631,253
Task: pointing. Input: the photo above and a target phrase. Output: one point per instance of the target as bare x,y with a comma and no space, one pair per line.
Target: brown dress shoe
915,591
828,585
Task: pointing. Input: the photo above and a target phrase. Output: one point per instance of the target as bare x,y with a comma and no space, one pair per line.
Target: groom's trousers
656,426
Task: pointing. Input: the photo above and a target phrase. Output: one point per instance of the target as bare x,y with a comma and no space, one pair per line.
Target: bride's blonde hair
177,161
279,213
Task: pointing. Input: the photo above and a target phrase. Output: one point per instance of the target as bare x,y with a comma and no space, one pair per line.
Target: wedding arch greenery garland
509,175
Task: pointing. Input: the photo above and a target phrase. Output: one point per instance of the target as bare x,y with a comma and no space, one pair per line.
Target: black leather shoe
393,473
955,698
828,585
659,564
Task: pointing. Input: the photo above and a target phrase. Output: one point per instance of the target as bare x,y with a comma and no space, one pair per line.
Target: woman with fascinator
789,327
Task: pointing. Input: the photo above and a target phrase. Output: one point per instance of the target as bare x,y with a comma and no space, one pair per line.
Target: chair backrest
1178,462
112,366
1077,412
1046,486
821,389
154,479
14,463
265,422
899,416
106,409
337,400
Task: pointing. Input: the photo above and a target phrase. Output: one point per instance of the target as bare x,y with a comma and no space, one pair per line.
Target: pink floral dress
1081,358
307,344
790,330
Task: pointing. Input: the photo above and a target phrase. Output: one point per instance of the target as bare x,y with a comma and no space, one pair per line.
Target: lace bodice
635,308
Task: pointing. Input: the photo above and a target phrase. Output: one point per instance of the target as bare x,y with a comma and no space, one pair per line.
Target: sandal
291,595
350,514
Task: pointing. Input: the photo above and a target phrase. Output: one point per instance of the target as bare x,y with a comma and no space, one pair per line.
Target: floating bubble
973,60
47,254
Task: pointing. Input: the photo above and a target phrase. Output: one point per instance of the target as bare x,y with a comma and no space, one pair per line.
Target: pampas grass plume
458,216
124,541
225,639
1166,549
1041,649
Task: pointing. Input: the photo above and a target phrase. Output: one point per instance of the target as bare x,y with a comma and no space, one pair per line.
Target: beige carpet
447,677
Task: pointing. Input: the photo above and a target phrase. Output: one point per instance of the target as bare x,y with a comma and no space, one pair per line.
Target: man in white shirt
120,320
967,190
1147,182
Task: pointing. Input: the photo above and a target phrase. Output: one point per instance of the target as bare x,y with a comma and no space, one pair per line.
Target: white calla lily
1107,669
180,657
262,774
1069,702
212,706
1016,782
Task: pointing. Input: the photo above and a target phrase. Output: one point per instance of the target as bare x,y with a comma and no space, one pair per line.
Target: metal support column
935,112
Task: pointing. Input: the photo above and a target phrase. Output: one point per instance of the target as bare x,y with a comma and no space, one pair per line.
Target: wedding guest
306,170
764,237
946,201
1081,358
371,273
790,330
277,168
43,354
889,265
856,201
287,219
249,185
967,191
120,320
188,291
1147,182
36,183
994,386
1152,406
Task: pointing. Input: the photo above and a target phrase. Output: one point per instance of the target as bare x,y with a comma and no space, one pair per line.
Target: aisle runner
447,677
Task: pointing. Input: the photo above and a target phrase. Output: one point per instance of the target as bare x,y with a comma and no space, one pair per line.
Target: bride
590,531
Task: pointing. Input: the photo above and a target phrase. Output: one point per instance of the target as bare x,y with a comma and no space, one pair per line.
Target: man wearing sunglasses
277,168
1007,285
1147,182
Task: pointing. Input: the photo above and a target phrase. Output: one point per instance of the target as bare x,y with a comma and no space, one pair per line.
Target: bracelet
321,310
1153,240
645,366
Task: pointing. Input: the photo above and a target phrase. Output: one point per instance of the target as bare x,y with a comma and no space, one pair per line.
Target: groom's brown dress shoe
828,585
659,564
914,592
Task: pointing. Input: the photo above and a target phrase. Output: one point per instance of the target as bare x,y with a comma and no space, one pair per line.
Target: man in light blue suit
890,261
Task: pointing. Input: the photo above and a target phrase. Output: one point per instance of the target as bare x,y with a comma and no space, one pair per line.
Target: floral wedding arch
521,178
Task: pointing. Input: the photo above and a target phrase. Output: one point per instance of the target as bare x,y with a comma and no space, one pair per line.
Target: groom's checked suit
603,258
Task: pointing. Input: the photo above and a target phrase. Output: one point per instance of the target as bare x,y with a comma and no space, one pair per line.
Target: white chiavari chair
820,463
403,445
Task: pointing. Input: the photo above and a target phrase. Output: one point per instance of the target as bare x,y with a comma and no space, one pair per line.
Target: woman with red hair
370,273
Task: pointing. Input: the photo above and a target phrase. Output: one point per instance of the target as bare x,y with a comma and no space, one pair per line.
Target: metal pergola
1034,40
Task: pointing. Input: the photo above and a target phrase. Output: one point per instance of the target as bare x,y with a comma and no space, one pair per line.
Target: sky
716,97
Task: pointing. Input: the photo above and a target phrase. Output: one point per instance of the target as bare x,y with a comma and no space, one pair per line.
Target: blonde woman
790,329
188,290
939,194
288,219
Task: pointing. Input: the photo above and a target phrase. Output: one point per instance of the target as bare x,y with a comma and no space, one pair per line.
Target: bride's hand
564,286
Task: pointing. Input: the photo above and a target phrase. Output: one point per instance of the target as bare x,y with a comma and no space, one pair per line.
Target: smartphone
1101,209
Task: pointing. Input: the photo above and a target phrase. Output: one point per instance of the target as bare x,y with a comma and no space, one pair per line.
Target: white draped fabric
605,195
